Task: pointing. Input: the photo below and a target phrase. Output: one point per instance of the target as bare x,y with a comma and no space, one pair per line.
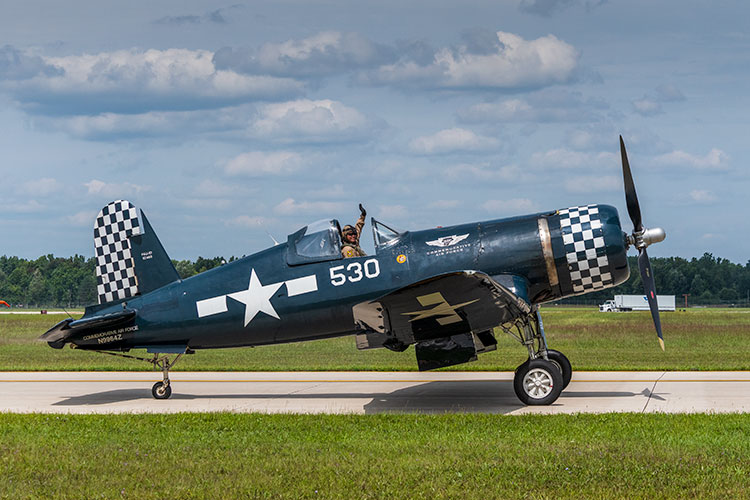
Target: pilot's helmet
348,229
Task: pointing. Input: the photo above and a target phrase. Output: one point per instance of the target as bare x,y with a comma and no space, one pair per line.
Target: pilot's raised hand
362,209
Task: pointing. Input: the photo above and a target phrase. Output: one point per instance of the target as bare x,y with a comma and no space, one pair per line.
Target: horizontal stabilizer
69,326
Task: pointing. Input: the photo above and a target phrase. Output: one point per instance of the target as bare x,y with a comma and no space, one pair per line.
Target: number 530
355,272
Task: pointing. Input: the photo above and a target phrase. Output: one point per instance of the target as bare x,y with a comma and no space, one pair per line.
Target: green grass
700,339
379,456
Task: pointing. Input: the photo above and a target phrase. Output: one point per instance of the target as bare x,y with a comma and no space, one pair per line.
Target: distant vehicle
623,303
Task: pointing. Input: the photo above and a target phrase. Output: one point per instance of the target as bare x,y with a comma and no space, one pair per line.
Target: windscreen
384,236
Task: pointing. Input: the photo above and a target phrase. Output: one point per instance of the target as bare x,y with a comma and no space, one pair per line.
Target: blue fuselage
262,299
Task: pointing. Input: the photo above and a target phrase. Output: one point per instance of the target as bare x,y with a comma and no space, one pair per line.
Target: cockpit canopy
320,241
316,242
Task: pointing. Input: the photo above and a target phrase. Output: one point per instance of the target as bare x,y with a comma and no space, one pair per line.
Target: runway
368,392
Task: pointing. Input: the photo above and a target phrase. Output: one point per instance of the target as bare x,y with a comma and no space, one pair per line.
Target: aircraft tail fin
130,260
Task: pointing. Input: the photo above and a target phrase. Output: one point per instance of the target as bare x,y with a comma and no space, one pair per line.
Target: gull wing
441,306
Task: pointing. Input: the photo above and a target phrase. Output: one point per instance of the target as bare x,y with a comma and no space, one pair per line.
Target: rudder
130,260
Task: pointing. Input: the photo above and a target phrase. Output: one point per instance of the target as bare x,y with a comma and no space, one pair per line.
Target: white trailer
637,303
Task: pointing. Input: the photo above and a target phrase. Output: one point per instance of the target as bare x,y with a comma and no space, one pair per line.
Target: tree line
51,281
708,280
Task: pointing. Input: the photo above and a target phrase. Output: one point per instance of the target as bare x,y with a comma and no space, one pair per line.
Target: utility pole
686,295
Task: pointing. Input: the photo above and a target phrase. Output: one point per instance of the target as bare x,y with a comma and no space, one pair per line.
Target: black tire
563,364
538,382
159,391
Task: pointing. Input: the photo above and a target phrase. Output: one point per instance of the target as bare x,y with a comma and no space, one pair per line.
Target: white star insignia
257,298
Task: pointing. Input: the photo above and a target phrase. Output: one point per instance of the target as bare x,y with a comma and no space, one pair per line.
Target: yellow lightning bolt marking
442,308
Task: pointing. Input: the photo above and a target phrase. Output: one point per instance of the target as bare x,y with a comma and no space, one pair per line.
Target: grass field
383,456
392,456
700,339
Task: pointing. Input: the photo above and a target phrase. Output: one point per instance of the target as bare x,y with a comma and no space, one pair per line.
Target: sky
232,123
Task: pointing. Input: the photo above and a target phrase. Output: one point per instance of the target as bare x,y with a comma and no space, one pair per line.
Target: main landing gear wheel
161,391
563,364
538,382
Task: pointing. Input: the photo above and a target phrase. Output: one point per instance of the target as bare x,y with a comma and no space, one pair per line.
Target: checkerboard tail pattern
585,250
115,271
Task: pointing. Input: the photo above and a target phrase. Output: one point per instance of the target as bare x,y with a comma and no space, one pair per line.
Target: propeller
642,238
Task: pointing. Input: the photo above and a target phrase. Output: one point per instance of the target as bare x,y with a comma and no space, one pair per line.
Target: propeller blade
650,288
634,209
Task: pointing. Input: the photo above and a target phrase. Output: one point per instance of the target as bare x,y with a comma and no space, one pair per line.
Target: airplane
443,290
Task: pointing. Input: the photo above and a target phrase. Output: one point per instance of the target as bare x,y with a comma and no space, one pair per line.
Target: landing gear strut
160,390
541,379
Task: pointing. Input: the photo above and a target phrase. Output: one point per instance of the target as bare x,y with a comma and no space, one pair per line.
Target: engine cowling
589,249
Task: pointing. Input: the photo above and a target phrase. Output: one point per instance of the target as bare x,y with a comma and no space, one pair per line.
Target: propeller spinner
640,239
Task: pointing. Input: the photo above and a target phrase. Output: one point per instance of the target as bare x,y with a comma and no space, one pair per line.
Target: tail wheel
161,391
538,382
563,364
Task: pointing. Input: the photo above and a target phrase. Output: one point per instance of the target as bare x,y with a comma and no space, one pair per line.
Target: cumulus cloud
716,159
542,107
82,219
24,207
511,63
703,196
669,93
114,190
593,137
292,207
18,65
647,107
322,54
603,136
212,17
259,163
510,109
312,121
564,158
451,140
117,126
509,206
42,187
134,81
651,104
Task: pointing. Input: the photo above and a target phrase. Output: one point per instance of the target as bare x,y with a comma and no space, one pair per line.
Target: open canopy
321,241
318,241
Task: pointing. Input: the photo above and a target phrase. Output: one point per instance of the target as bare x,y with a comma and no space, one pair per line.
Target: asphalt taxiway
368,392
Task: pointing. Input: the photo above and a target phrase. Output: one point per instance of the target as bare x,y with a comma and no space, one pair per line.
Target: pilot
350,237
